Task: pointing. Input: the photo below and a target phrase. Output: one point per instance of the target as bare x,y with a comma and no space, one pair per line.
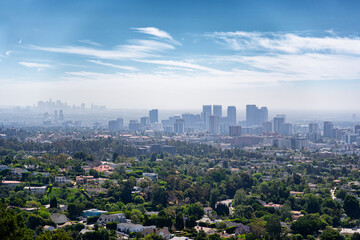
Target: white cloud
156,33
7,53
86,41
35,65
129,68
287,42
136,49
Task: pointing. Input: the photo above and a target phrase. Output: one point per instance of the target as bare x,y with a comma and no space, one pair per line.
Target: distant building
313,127
217,110
235,131
106,218
206,113
328,130
267,126
357,129
231,115
116,125
278,121
286,129
214,126
134,125
144,121
154,116
256,116
152,176
179,126
36,190
93,213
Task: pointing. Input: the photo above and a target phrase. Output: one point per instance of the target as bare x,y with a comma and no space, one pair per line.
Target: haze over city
296,55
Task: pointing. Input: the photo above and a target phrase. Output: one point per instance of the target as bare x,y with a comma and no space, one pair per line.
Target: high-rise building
277,123
235,131
357,129
264,114
61,115
214,126
256,116
231,115
328,130
154,116
205,115
267,126
313,127
179,126
144,121
217,110
134,125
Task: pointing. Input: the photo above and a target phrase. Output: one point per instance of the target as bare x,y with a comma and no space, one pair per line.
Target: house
62,179
152,176
83,179
273,205
18,171
208,210
131,227
103,168
294,193
164,232
58,218
10,184
106,218
205,229
39,190
93,213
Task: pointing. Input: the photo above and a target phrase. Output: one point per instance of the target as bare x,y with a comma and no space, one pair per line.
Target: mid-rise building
357,129
267,126
313,127
206,113
116,125
217,110
144,121
256,116
179,126
235,131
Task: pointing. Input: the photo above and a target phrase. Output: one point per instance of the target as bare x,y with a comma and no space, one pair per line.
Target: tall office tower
313,127
154,116
214,126
191,120
61,115
267,126
328,129
277,123
286,129
264,114
357,129
144,121
56,115
231,115
256,116
235,131
134,125
217,110
179,125
205,115
251,114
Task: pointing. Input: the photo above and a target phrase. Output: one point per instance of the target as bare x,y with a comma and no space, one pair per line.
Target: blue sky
182,54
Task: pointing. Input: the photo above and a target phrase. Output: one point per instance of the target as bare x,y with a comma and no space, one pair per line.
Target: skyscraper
278,121
231,115
256,116
267,126
206,113
214,126
357,129
217,109
328,130
154,116
313,127
144,121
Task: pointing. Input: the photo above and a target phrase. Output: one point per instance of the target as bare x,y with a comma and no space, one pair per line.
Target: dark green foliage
273,227
308,225
351,206
331,234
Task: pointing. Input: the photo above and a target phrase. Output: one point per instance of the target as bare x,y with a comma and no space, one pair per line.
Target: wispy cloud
128,68
89,42
35,65
136,49
156,33
183,65
286,42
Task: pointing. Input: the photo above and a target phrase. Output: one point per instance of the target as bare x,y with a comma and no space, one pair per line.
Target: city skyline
140,55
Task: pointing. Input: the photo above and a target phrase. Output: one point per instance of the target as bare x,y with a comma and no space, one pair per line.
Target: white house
62,179
131,227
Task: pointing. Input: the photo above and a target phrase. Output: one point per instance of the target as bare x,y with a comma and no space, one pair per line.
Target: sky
297,54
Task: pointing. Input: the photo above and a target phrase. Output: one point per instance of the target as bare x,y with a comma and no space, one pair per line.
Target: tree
75,209
355,236
34,220
53,202
59,234
273,227
330,234
308,225
12,225
111,225
179,221
351,206
222,209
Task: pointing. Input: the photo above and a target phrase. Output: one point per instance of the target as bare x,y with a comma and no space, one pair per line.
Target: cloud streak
128,68
156,33
35,65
